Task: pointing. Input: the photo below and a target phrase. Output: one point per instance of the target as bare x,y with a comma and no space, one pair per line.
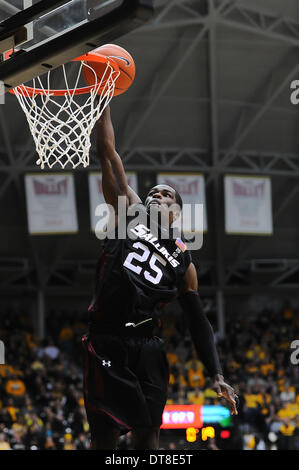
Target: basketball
126,67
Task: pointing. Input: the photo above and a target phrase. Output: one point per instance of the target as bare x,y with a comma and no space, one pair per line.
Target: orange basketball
125,62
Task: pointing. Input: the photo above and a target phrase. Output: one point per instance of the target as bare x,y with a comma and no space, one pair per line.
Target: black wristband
201,332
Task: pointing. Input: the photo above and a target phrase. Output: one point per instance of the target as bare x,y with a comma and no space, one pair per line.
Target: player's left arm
203,336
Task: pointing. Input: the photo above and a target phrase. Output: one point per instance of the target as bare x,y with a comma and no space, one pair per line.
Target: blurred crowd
256,359
41,382
41,386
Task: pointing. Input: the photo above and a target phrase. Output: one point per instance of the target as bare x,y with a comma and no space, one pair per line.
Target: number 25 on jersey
134,262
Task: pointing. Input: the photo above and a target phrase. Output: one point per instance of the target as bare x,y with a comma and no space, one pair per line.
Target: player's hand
226,391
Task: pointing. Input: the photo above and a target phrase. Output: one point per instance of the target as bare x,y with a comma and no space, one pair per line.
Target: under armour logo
106,363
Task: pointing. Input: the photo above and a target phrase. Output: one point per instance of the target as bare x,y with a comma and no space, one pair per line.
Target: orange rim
88,57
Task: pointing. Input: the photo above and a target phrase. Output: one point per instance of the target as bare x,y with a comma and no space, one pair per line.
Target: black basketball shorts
125,381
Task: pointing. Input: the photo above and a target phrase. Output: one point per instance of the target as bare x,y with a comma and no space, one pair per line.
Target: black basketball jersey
136,275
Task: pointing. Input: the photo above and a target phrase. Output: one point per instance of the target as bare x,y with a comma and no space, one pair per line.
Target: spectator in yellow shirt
252,368
172,377
196,397
250,354
285,343
193,360
68,442
66,333
195,376
12,410
15,387
177,376
209,393
263,398
251,398
287,430
31,340
172,356
6,370
268,368
66,336
289,410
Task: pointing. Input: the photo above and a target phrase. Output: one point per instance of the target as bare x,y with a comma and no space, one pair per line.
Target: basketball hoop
60,124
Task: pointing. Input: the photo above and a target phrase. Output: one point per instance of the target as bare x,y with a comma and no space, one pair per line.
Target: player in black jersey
126,371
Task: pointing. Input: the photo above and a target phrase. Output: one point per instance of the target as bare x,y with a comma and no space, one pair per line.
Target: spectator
287,430
66,336
68,442
181,396
195,375
51,350
259,444
209,394
5,418
4,443
16,441
12,410
288,393
15,387
196,397
81,442
44,397
172,356
295,440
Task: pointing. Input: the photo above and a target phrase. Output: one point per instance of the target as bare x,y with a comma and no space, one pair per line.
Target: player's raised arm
203,337
114,179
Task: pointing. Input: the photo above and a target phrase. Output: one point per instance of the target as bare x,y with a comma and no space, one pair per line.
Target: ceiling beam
187,159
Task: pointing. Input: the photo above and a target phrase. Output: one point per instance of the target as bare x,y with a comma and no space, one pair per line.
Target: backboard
47,33
25,34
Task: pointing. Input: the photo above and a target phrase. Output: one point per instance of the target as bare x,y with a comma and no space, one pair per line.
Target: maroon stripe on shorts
88,403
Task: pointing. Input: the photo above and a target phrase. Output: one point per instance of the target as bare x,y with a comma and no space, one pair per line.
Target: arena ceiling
211,94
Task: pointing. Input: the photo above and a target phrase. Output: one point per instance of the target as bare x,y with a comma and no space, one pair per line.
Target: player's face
162,197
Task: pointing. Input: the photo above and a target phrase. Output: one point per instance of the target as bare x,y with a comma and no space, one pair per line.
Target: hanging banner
51,205
96,196
191,187
248,205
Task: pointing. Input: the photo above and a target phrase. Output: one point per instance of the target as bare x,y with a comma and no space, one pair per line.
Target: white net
61,125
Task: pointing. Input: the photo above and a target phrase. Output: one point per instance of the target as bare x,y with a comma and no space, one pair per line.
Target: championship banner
248,205
51,205
191,187
96,196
